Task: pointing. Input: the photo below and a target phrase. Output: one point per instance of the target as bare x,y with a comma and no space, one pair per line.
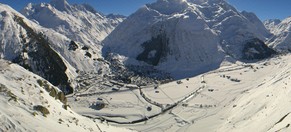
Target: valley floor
236,97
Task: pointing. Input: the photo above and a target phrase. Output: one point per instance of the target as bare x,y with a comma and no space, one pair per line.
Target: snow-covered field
236,97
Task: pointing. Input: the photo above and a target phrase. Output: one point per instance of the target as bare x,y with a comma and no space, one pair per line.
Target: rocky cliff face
256,49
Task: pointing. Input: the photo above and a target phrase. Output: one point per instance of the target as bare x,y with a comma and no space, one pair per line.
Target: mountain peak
173,29
275,21
179,1
271,24
169,6
61,5
205,1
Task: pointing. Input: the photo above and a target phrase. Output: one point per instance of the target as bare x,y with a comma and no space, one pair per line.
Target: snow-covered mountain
271,24
22,44
80,23
281,38
188,35
43,51
30,103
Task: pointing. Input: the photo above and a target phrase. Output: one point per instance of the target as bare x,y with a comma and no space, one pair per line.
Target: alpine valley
173,65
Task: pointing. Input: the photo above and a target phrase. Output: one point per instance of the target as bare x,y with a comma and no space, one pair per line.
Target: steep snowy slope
43,51
282,37
29,103
80,23
186,37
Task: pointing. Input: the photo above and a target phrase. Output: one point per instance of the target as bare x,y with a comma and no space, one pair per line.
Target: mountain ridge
79,22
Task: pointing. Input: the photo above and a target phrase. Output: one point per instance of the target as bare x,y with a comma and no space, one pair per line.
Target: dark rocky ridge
43,60
154,50
255,49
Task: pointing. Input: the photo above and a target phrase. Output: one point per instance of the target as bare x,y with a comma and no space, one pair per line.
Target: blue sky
264,9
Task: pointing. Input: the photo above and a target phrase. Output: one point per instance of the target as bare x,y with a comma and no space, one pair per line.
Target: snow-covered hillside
281,38
80,23
186,37
29,103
